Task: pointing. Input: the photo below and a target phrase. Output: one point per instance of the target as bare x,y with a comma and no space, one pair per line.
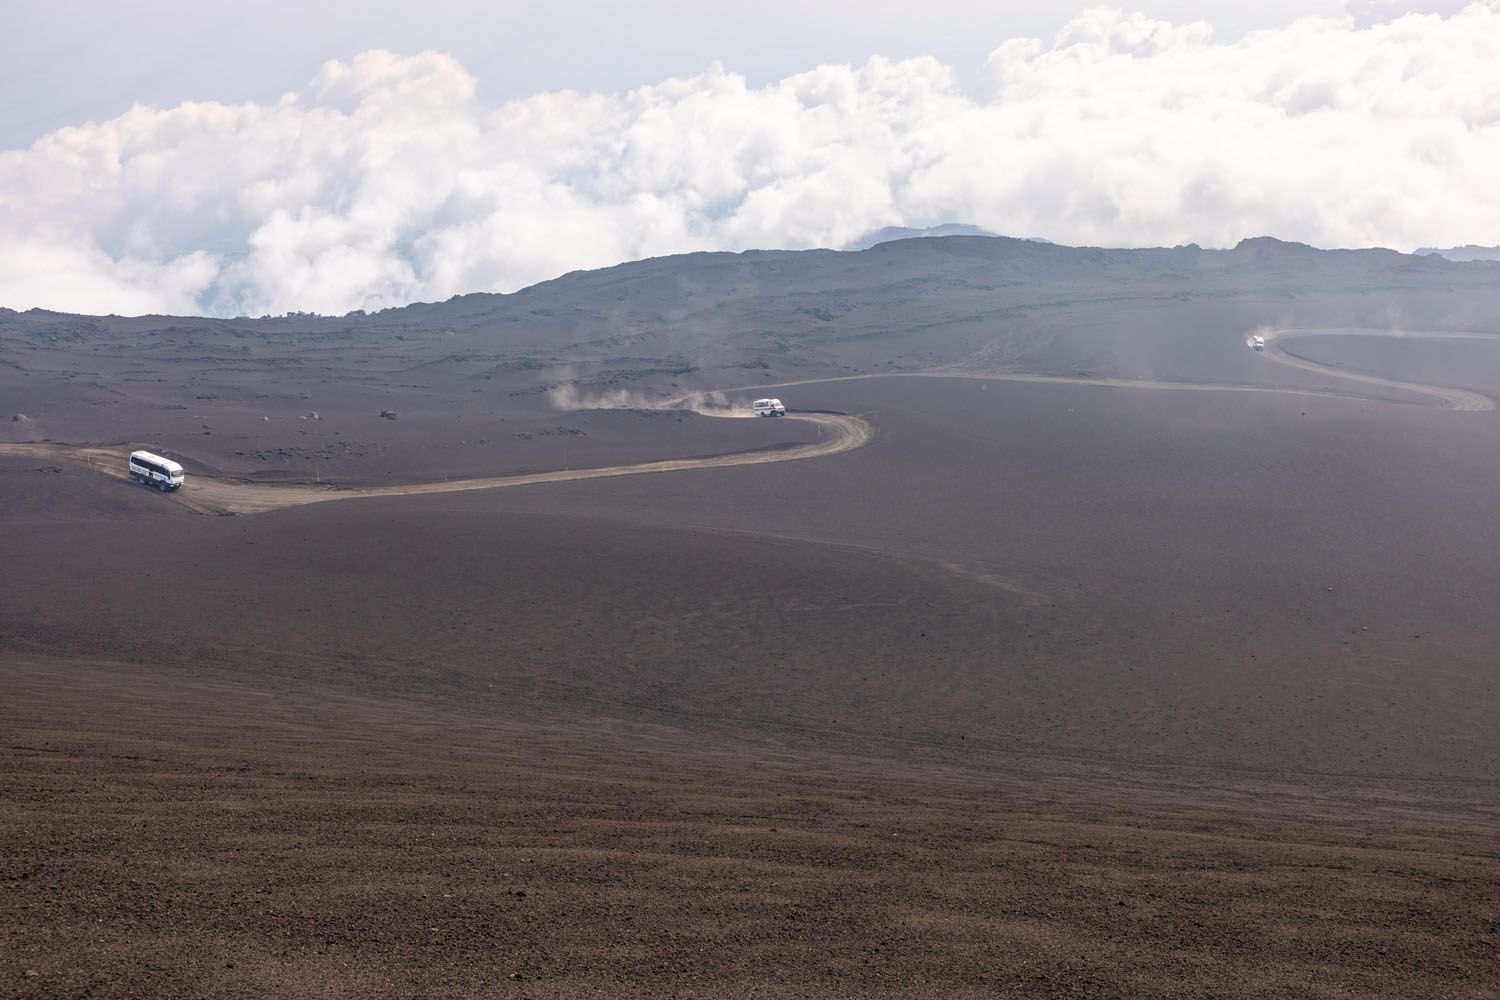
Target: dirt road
838,433
1456,399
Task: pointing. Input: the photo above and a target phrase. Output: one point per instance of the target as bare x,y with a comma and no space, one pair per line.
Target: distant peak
1270,244
1467,252
890,234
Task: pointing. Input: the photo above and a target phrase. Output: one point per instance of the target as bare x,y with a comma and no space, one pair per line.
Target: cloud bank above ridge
385,180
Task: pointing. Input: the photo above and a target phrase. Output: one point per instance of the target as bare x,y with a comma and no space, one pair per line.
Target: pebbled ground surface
171,838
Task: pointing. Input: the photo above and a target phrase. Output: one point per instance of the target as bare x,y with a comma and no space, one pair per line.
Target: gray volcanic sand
1049,690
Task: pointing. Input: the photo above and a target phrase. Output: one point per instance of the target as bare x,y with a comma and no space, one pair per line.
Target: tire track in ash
837,433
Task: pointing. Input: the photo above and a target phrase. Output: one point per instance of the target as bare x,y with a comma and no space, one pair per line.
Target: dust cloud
567,396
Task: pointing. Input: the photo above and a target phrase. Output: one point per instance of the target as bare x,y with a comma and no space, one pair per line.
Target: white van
153,470
769,408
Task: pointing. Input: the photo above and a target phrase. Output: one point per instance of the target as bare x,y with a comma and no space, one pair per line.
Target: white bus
153,470
769,408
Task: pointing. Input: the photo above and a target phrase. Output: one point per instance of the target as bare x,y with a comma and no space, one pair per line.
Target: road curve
837,433
1454,399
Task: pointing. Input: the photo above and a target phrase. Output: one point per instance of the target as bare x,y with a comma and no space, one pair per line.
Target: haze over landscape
1109,615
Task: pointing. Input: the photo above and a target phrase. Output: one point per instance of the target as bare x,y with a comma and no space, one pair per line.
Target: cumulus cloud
387,180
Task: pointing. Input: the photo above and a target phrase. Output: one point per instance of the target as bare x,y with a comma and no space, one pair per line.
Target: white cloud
386,180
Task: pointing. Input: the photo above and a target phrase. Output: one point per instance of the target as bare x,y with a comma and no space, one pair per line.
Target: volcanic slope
472,386
1038,669
1047,689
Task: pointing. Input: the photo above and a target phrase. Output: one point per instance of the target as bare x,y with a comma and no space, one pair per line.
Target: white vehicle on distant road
153,470
769,408
1258,342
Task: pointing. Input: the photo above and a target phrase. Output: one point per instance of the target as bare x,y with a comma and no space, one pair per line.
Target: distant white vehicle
1258,342
153,470
769,408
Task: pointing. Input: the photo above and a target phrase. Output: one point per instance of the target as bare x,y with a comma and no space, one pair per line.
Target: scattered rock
388,414
19,418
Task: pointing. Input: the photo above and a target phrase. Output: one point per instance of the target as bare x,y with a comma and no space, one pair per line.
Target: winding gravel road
1456,399
227,496
838,432
1452,398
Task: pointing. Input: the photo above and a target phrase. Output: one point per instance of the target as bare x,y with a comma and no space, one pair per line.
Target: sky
250,159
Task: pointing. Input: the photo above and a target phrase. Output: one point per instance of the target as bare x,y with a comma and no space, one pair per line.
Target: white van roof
155,459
